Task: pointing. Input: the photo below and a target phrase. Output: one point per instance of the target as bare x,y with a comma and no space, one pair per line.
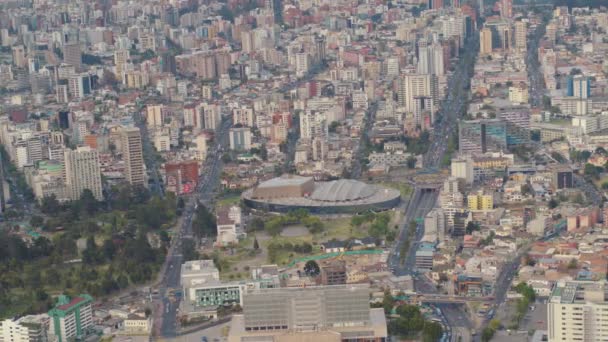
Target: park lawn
229,199
340,229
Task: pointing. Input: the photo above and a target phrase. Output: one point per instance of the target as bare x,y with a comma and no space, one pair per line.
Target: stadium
290,192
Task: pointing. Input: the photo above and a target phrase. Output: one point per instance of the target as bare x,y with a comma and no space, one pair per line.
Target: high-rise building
323,313
240,138
521,39
19,58
576,311
485,41
32,328
435,4
481,136
302,63
132,155
121,57
64,119
155,115
72,55
71,317
82,172
517,120
579,86
430,59
434,222
79,86
415,86
463,168
480,201
506,9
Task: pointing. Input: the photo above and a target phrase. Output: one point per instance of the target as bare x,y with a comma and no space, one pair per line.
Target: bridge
446,299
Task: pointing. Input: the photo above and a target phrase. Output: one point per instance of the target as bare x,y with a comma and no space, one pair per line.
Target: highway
208,182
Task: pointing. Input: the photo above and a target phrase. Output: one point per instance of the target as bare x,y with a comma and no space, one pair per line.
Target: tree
487,334
572,264
591,171
388,302
189,250
333,126
50,205
256,244
204,222
148,54
472,226
256,224
311,268
553,203
431,332
36,221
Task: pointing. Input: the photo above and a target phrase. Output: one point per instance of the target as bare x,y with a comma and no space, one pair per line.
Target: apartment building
578,311
72,318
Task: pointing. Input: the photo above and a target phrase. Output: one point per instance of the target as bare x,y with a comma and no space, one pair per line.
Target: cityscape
303,171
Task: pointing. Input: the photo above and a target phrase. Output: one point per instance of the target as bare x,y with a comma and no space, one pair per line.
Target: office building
463,168
72,318
82,172
72,55
562,178
323,314
521,39
203,290
485,41
79,86
517,120
424,256
32,328
576,311
481,136
240,139
132,155
579,86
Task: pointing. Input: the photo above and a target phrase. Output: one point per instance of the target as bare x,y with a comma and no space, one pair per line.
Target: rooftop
284,180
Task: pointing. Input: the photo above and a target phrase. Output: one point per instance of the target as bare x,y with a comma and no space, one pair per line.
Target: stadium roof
284,180
342,190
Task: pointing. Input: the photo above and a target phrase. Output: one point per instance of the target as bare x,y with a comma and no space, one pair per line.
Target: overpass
446,299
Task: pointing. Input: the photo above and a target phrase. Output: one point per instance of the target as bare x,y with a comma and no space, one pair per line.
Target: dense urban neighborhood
298,171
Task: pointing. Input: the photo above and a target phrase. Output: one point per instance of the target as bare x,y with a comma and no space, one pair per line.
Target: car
204,339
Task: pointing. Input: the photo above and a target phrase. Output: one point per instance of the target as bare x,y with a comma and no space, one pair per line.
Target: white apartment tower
82,172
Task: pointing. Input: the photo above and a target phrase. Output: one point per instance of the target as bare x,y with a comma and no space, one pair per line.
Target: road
420,204
370,114
171,273
451,110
